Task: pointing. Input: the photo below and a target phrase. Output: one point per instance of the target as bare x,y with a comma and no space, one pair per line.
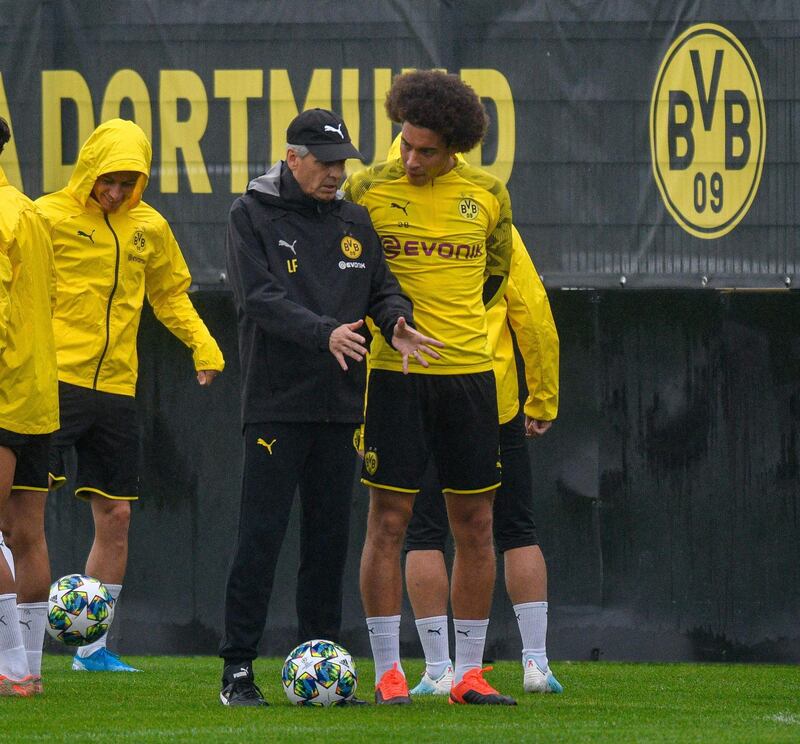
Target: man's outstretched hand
411,343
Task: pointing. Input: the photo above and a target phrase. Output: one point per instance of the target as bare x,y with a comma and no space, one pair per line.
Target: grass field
175,700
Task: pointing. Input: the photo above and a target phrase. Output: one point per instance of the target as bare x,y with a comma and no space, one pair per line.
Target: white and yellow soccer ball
79,611
319,673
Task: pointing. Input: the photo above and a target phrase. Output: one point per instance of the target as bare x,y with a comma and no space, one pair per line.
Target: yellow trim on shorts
389,488
102,493
58,481
457,492
30,488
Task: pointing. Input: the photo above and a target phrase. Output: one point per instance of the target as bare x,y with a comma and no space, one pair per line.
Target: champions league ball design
80,610
319,673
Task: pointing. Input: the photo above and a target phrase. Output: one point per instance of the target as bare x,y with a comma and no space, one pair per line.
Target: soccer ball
319,673
80,610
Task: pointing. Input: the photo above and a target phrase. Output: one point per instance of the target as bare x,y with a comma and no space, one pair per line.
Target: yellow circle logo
351,247
468,208
708,130
371,461
357,439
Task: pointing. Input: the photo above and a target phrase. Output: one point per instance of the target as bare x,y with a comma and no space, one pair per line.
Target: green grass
175,700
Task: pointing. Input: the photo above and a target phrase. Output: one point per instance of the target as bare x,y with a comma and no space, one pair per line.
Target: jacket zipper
108,307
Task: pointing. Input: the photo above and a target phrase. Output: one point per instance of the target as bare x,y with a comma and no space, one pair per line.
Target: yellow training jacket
28,385
526,308
105,263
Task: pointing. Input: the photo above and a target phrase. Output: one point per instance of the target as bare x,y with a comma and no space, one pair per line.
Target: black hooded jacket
299,268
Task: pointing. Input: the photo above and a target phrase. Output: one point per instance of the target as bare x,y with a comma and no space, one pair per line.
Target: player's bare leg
428,587
108,557
15,677
471,594
382,588
526,583
107,561
23,529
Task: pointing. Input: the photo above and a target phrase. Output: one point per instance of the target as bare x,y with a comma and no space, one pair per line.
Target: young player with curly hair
445,227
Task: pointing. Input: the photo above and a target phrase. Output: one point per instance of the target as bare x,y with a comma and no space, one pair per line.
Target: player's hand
206,376
411,343
345,342
536,427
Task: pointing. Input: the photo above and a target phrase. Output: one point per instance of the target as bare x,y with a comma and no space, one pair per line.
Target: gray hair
301,150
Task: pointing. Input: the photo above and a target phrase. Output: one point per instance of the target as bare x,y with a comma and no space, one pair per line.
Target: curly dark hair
5,133
441,102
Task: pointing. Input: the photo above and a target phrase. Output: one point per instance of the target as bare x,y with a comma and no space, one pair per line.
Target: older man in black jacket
306,268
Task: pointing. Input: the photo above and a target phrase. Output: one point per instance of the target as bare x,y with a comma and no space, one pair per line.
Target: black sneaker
238,687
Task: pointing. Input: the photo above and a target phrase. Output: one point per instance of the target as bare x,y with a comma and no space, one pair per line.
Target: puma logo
290,246
371,629
403,208
86,235
438,631
265,444
3,620
463,632
338,130
26,623
243,672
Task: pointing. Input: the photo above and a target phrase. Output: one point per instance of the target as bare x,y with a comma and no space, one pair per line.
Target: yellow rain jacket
527,308
28,385
106,263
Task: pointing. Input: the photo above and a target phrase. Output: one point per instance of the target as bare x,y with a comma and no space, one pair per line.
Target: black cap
324,134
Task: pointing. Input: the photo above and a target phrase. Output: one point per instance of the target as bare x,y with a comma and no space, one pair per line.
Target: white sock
532,620
435,644
84,651
32,622
384,638
13,661
470,640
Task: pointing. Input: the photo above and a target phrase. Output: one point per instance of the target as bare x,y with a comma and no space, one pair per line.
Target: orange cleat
16,687
392,689
473,689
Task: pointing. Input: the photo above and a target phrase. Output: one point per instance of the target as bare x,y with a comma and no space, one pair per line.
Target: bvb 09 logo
351,247
371,461
707,130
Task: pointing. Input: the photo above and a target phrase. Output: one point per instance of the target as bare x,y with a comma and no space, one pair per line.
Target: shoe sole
9,688
476,698
77,667
397,700
255,704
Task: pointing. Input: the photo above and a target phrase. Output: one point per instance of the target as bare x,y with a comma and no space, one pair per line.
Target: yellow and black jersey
441,240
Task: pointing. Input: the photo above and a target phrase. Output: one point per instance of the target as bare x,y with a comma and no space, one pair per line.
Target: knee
113,518
474,530
21,536
389,526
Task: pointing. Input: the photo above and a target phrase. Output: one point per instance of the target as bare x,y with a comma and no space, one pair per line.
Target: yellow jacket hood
116,145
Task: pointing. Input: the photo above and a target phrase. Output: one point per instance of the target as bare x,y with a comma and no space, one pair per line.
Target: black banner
644,144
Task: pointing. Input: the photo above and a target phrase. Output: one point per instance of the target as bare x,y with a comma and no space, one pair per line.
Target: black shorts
514,526
413,417
103,429
31,450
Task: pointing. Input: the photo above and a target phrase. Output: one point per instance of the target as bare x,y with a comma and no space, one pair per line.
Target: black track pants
279,458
